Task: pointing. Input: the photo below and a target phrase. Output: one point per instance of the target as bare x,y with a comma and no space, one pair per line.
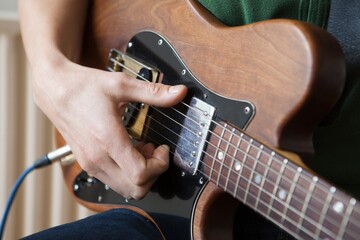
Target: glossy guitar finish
282,69
174,195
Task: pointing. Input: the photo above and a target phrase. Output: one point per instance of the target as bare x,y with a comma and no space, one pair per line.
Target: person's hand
84,103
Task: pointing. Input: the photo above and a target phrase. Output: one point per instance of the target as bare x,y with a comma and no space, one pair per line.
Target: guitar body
280,70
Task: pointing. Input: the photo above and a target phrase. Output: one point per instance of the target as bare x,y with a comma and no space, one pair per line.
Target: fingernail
175,89
166,147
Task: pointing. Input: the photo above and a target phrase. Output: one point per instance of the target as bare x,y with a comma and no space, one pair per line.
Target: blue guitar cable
43,161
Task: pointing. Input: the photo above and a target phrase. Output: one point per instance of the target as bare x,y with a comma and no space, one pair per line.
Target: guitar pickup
191,144
135,114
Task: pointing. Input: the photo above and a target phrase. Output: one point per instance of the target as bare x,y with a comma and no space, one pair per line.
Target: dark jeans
125,224
113,224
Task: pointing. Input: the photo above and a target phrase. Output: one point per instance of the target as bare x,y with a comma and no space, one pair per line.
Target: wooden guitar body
275,80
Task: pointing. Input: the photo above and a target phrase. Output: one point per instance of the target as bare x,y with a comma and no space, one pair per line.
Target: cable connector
49,158
53,156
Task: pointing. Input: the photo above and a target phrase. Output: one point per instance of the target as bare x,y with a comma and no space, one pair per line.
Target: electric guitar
252,90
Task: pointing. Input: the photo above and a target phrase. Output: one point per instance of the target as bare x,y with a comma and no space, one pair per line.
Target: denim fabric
114,224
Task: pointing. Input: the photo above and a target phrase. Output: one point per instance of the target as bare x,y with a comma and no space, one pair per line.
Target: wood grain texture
215,214
292,72
278,65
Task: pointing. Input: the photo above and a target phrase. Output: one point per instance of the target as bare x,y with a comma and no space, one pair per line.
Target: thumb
133,90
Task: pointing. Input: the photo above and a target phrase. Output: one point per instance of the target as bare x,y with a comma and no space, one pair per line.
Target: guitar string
214,122
205,152
183,103
285,217
249,182
294,171
265,214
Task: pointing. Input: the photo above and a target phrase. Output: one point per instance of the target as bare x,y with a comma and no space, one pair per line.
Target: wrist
51,79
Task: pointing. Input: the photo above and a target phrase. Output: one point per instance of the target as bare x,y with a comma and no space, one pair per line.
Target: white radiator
25,134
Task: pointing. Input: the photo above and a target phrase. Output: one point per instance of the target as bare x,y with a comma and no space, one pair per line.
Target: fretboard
299,202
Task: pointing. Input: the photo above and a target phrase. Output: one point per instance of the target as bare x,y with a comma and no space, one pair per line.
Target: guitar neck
301,203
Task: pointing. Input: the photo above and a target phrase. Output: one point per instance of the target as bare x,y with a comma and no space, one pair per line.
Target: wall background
26,134
8,5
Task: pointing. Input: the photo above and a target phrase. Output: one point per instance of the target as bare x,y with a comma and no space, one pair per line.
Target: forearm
83,103
52,30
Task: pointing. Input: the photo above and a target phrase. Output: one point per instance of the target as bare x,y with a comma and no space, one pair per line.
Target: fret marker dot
353,201
257,179
220,155
237,166
282,194
315,179
333,189
338,207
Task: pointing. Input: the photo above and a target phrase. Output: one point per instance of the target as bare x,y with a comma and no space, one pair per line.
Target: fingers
141,167
127,89
130,180
157,160
93,129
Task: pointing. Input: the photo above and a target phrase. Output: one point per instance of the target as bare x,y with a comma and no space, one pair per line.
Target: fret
270,185
255,189
248,162
239,168
306,203
284,187
324,211
217,151
315,208
222,159
252,168
346,218
276,188
335,215
352,231
290,193
267,168
294,200
232,163
298,197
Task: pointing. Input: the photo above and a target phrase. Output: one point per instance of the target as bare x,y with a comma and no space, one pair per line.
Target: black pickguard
171,200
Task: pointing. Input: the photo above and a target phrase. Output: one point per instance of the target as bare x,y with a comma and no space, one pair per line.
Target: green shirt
337,145
239,12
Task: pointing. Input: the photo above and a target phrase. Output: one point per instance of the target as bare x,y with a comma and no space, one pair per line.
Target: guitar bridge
135,114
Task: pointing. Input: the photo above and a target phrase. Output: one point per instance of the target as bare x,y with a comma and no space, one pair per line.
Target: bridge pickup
135,114
193,135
